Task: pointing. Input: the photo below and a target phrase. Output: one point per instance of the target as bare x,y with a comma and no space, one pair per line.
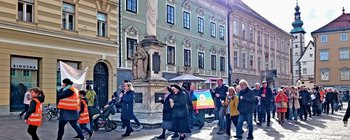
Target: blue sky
314,13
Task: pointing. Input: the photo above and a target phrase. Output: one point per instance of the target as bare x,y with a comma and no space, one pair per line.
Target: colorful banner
202,99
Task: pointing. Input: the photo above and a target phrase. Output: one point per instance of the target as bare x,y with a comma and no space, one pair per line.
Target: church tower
298,45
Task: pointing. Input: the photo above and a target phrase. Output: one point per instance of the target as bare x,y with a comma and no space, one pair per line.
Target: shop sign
24,63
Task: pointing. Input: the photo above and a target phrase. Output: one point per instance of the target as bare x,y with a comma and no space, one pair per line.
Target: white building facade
307,64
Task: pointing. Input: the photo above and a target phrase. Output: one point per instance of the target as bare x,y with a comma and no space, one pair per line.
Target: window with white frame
222,63
187,58
186,20
170,14
304,62
235,28
251,61
259,37
221,32
200,25
213,62
131,46
201,60
26,10
171,55
68,14
343,36
304,70
235,59
272,64
265,39
324,38
244,60
213,29
251,34
131,6
243,30
345,74
259,63
344,53
101,24
324,55
324,74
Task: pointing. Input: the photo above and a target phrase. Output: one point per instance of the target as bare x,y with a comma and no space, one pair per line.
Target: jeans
222,118
327,107
190,117
75,126
128,126
241,119
32,132
84,127
303,111
234,120
264,111
293,114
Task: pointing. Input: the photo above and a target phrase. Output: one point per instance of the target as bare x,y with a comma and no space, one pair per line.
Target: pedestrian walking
330,99
167,111
127,111
220,94
231,104
305,100
26,101
33,116
92,103
180,112
246,109
293,104
346,115
84,114
257,101
281,105
69,105
265,94
316,102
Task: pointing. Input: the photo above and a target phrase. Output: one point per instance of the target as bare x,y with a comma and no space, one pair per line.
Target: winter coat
127,103
167,110
246,105
281,97
317,100
67,115
305,97
232,103
223,92
330,97
294,101
180,109
266,101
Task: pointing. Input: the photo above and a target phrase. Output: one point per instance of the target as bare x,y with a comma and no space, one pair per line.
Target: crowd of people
236,104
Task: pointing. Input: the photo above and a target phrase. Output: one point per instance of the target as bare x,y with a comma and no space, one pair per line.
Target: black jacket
223,93
189,100
32,106
305,97
330,97
246,105
267,100
82,105
180,109
127,102
167,110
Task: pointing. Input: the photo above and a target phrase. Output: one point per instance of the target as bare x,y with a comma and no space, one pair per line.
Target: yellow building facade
36,34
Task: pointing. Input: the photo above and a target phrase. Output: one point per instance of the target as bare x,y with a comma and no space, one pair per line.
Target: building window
344,54
259,63
186,20
304,62
26,73
259,37
13,72
170,18
304,70
343,36
251,61
325,75
297,72
25,10
244,60
324,38
131,45
222,63
68,16
221,32
187,58
101,24
171,55
311,55
324,55
131,6
251,34
235,59
200,25
345,74
213,62
272,64
213,29
265,39
200,60
235,27
243,31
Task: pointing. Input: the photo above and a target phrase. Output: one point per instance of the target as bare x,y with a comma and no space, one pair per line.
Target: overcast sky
314,13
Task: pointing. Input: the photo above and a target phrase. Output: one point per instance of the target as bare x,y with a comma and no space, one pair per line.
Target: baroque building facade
36,34
194,31
259,49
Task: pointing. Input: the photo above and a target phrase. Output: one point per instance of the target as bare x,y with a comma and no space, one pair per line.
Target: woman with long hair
33,116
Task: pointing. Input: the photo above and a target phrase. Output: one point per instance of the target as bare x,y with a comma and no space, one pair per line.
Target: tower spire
298,23
343,10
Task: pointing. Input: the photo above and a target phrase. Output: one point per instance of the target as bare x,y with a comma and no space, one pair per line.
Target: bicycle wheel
110,126
49,115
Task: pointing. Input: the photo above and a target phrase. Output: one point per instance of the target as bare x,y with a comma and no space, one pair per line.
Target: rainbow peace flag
202,99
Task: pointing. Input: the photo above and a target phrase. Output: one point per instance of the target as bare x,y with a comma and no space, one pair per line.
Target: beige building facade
332,57
258,48
36,34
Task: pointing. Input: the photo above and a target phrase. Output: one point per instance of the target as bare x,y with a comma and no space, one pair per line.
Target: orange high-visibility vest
84,117
71,102
36,117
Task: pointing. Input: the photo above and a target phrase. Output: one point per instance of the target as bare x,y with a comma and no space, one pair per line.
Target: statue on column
151,15
140,64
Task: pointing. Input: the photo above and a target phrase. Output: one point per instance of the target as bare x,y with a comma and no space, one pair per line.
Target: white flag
76,76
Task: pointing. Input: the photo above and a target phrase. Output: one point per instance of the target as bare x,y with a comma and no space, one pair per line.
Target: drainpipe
120,33
228,49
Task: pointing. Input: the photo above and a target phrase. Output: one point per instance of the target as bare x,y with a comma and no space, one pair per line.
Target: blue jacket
167,110
246,105
67,115
267,100
305,97
127,103
180,109
223,93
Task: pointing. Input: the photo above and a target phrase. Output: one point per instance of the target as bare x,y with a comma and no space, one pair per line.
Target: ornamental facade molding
187,5
213,50
72,1
187,43
201,47
222,51
170,38
132,31
172,1
200,11
103,5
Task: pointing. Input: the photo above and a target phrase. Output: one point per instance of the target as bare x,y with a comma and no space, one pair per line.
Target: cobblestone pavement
325,127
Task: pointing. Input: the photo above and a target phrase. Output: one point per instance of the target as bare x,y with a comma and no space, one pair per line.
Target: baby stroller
101,119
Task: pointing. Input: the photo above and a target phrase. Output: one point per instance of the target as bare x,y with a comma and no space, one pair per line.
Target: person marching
167,111
231,104
92,103
127,112
281,101
69,106
33,116
26,101
84,114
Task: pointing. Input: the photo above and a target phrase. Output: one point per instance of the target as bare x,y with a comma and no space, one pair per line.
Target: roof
245,8
339,24
311,43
